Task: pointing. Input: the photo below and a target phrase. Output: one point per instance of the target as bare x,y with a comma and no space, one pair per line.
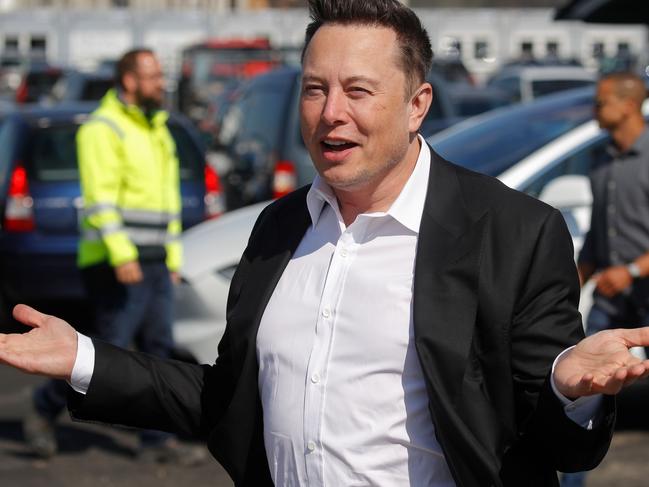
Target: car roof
547,72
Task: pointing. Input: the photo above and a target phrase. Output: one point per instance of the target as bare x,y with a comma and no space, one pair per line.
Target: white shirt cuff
584,409
84,364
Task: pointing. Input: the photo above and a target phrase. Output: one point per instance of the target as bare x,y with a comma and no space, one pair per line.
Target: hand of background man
50,348
602,363
613,280
129,273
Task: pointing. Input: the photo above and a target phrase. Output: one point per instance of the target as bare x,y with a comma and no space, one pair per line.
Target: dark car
41,202
260,137
79,86
37,82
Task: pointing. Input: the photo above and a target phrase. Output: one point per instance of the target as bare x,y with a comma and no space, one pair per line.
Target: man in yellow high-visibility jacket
129,250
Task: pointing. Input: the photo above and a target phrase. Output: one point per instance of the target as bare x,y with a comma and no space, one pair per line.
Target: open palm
602,363
50,348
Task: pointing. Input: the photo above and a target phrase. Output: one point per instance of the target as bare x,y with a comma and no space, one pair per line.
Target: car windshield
492,143
51,154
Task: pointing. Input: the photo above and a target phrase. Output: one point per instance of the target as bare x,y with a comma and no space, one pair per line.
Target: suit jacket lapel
446,280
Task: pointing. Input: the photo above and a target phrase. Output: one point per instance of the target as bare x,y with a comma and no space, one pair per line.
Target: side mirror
567,192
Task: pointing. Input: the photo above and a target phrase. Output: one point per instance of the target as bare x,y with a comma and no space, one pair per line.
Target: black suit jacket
495,301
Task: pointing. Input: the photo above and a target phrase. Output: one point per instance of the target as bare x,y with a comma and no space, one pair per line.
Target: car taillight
213,196
284,178
22,91
19,213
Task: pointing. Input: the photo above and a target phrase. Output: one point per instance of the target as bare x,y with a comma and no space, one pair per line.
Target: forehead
147,62
352,50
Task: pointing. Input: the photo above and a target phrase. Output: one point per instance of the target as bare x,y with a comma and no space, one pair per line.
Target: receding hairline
627,86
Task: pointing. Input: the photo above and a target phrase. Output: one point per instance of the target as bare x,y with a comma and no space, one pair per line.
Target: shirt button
612,232
310,446
315,378
611,185
611,208
343,253
326,313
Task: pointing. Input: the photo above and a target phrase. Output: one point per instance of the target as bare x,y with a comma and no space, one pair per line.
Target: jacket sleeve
99,152
546,321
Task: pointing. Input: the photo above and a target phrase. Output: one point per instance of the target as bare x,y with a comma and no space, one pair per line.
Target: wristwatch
634,270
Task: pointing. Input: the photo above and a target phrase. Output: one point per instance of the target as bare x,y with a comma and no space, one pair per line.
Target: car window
95,89
499,141
577,163
547,86
51,154
255,122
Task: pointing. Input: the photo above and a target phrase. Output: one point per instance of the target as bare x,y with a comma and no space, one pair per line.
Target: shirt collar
406,209
640,146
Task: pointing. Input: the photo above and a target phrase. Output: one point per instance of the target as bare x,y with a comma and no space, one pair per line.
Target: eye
312,90
358,91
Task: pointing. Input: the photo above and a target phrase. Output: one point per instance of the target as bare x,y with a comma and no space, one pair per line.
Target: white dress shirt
344,399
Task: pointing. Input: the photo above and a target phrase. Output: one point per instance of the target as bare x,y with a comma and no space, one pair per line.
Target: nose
334,111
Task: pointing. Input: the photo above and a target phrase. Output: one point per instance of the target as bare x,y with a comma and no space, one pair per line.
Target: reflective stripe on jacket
130,185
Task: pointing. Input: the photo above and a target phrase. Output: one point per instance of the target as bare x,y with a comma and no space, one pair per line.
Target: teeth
335,142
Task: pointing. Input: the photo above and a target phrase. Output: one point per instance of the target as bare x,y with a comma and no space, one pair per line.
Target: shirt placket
316,376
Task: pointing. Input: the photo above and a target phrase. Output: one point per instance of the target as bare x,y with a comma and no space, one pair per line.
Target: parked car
552,167
525,83
260,137
80,86
40,199
36,82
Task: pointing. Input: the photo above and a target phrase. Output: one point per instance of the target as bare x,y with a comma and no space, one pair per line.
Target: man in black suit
402,321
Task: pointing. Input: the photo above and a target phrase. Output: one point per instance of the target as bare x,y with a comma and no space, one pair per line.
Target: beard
148,104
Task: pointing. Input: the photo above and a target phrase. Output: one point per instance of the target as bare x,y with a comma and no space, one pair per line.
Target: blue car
40,199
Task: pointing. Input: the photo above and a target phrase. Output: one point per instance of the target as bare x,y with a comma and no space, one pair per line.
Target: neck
378,196
625,136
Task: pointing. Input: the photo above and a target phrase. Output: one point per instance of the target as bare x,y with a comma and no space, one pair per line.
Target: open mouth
337,146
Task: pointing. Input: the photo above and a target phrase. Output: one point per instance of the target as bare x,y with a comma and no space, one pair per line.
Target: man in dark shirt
616,250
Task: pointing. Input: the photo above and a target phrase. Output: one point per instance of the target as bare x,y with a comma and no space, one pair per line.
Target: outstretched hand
602,363
50,348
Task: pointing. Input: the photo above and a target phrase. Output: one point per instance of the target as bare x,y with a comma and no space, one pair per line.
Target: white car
525,83
544,148
212,251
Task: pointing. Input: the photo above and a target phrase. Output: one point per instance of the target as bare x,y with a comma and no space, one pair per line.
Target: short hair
416,53
128,64
627,86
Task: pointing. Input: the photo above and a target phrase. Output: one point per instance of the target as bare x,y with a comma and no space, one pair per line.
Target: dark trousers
139,314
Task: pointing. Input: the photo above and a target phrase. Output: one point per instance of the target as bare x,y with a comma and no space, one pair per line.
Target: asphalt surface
100,456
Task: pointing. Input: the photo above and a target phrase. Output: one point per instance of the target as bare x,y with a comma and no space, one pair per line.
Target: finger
28,315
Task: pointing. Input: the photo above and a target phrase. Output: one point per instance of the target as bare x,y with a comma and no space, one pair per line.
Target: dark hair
128,64
416,53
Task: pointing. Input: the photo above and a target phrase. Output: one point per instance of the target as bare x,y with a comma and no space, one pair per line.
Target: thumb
28,315
635,337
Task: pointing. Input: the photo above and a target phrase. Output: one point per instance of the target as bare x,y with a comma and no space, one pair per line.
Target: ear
130,82
419,105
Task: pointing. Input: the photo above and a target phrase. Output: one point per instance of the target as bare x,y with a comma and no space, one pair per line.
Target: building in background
483,34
